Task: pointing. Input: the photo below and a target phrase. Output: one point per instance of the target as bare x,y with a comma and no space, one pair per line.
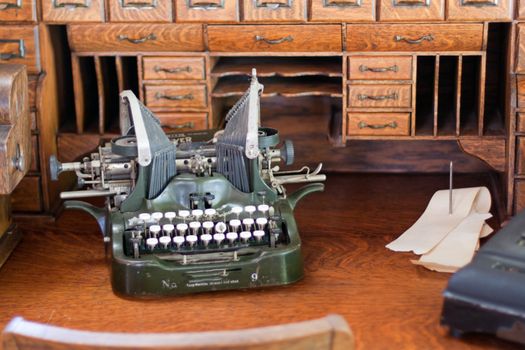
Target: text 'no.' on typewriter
184,217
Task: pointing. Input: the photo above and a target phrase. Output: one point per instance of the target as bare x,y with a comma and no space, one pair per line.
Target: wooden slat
481,93
459,72
100,89
436,95
414,88
120,73
78,90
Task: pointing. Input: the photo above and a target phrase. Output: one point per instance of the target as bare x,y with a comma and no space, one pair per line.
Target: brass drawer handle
362,97
428,37
478,3
9,5
288,38
139,5
160,96
341,4
364,68
66,4
158,69
137,41
204,5
272,5
363,125
12,55
188,125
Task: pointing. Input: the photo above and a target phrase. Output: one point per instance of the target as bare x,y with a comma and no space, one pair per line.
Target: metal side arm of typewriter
303,191
98,213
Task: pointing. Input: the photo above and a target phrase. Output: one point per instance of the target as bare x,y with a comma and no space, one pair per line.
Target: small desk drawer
274,10
19,44
379,95
282,38
32,85
173,68
176,96
67,11
414,37
178,122
381,124
520,48
17,10
343,10
135,37
519,196
27,195
520,91
140,10
380,67
520,122
412,10
209,11
472,10
520,155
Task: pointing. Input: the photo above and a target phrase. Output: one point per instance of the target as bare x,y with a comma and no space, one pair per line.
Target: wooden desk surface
59,275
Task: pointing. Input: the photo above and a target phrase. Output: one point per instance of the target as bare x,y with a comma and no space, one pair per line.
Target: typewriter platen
184,217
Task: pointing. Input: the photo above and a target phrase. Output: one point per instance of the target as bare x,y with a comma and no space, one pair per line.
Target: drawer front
520,122
27,196
19,44
381,124
421,37
285,38
410,10
379,95
521,9
208,11
140,10
274,10
520,49
178,122
176,96
174,68
380,67
18,10
520,90
65,11
520,156
470,10
136,37
519,196
343,10
32,84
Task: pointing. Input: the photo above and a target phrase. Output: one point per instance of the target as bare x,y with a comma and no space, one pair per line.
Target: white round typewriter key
250,209
206,238
156,216
248,223
258,234
145,217
237,211
210,212
263,208
232,236
182,228
168,229
245,236
208,226
218,237
191,239
178,240
220,227
195,226
165,240
154,229
184,214
261,222
197,213
170,215
152,242
235,224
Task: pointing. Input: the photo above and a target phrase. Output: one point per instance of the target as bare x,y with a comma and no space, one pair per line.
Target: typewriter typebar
186,213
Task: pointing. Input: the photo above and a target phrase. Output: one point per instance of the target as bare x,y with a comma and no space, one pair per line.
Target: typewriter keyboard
203,231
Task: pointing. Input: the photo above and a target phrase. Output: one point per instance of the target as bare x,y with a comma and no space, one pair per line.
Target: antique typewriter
183,215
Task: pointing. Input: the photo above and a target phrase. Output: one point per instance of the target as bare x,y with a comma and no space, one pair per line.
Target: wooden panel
18,10
175,122
380,67
412,37
209,11
27,196
491,151
33,166
343,10
67,11
31,90
19,45
520,156
140,10
521,9
471,10
520,91
274,10
520,50
283,38
175,68
519,196
520,122
380,95
385,124
176,96
410,10
135,37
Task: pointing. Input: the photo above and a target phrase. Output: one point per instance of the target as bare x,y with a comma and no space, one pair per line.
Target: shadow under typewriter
195,216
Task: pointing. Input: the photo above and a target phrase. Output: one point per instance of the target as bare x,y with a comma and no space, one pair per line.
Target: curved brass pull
205,5
9,5
363,125
172,70
12,55
188,125
160,96
288,38
362,97
57,5
364,68
137,41
341,4
428,37
139,5
272,5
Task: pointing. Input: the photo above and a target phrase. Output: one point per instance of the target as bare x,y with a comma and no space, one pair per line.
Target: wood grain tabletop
59,274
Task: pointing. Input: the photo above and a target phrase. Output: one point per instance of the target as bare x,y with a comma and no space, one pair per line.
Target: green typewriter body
194,216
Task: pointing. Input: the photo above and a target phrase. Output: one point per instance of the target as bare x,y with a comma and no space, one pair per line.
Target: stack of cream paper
447,242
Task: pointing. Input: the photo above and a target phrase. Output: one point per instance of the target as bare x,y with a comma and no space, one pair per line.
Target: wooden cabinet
479,10
343,10
380,67
378,124
274,10
69,11
210,11
19,44
18,10
410,10
140,10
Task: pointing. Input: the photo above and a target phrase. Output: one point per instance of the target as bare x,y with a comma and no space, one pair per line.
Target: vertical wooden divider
120,73
101,99
414,96
436,96
344,81
481,93
139,77
459,72
78,90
